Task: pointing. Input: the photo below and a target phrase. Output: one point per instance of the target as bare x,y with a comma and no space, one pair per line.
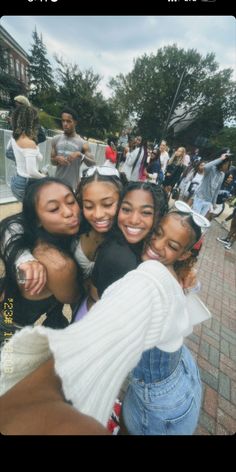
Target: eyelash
144,213
56,209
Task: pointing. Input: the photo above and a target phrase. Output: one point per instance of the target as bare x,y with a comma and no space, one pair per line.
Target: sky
109,44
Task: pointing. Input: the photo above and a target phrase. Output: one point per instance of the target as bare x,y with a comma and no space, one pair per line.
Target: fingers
35,276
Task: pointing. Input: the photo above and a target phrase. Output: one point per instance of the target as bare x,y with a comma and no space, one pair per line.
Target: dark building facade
16,62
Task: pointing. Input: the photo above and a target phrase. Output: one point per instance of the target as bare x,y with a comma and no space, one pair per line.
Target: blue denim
18,186
201,206
170,406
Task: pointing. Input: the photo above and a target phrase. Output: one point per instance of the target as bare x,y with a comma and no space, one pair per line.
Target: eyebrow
142,206
105,198
56,201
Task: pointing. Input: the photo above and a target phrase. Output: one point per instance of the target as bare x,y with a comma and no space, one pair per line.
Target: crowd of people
108,272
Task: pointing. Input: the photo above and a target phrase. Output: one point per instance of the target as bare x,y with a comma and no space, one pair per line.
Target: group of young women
137,327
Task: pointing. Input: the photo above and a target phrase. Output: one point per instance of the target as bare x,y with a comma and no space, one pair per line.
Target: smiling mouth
151,254
133,231
102,224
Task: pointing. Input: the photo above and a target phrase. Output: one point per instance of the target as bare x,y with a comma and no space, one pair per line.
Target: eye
108,205
147,213
125,209
173,248
53,210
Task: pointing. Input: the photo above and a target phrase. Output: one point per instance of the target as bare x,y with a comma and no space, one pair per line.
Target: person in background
69,150
231,236
110,153
27,155
164,156
207,192
134,159
22,100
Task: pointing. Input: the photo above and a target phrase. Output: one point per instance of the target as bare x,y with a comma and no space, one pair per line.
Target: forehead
139,197
98,189
53,191
177,228
67,117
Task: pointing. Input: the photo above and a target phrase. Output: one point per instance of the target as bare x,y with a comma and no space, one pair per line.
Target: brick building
16,63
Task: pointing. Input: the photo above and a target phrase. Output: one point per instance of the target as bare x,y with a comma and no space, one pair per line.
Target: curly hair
25,120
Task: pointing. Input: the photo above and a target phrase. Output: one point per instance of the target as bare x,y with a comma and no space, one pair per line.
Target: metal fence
8,168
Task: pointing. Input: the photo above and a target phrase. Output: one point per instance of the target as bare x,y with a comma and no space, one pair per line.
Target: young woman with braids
164,392
25,126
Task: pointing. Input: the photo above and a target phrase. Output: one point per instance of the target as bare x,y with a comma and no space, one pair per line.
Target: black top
115,258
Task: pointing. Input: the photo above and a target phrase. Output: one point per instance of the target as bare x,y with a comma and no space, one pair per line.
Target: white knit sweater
93,356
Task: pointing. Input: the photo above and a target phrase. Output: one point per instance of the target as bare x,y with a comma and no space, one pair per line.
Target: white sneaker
228,246
223,240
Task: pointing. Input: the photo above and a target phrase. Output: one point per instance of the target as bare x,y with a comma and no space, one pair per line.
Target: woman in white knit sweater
92,357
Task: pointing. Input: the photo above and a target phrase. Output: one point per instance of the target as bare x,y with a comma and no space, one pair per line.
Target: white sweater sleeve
94,355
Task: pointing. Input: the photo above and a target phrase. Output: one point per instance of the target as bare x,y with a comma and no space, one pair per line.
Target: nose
158,243
67,211
99,213
135,218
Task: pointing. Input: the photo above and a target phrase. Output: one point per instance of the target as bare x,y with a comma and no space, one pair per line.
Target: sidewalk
213,343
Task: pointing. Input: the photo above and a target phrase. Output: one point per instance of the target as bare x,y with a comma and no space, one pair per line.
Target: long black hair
22,232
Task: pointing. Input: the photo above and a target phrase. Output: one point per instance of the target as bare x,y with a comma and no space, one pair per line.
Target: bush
46,120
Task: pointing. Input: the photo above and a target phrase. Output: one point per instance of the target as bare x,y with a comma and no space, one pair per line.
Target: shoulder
26,143
56,138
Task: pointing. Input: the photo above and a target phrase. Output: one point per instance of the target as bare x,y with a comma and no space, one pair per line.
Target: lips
73,224
133,231
151,254
102,224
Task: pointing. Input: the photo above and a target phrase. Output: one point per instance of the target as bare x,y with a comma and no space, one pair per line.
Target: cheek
87,214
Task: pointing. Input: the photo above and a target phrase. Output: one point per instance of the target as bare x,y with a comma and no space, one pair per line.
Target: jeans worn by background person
18,186
164,394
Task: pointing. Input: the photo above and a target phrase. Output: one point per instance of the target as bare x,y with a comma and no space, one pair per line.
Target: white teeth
102,223
133,230
151,254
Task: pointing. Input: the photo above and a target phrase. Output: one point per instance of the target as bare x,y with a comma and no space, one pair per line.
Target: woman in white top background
25,124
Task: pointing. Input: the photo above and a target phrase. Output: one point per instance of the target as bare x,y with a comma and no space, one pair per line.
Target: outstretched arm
36,405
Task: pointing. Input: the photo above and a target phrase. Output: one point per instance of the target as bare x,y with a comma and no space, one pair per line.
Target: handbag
10,153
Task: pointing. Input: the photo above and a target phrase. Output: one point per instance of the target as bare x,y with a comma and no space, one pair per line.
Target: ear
185,256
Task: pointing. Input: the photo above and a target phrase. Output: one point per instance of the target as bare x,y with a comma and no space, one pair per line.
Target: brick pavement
213,343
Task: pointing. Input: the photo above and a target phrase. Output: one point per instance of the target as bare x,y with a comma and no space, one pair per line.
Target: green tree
40,72
172,88
79,90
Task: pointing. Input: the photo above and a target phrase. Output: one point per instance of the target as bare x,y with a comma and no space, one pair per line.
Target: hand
74,155
35,276
187,278
62,161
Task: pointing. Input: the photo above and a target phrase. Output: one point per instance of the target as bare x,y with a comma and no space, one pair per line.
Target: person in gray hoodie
207,192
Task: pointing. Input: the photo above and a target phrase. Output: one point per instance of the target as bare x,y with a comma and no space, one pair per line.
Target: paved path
213,343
